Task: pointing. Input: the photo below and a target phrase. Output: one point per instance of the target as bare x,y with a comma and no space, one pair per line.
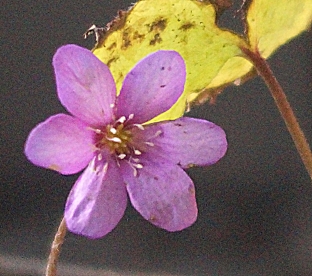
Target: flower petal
152,86
97,201
85,85
162,194
61,143
185,141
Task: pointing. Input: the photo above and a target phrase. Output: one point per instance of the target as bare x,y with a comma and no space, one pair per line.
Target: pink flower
105,134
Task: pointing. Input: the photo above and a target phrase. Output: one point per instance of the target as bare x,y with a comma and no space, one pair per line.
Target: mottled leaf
212,55
187,27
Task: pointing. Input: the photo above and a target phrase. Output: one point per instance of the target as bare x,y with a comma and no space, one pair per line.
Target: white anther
113,130
105,167
139,126
138,166
122,119
98,131
112,105
135,172
137,152
114,139
92,165
131,116
135,159
149,144
121,156
158,132
99,156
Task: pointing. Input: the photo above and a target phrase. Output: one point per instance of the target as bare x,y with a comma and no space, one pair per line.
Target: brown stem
55,249
283,106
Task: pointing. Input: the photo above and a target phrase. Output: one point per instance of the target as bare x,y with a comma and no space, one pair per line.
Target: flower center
121,140
116,138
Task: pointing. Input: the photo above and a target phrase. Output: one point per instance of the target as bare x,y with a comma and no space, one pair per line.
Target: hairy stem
283,106
55,249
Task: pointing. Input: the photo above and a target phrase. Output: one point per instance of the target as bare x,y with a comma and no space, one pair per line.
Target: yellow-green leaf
272,23
186,26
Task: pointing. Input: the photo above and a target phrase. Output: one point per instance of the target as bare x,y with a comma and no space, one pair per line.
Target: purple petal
61,143
185,141
163,195
85,85
97,201
152,86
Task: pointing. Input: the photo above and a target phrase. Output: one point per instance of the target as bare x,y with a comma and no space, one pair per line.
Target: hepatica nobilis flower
107,134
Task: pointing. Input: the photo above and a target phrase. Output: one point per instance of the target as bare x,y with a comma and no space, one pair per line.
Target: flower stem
283,106
55,249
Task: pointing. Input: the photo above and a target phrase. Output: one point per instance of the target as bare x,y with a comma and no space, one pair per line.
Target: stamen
134,166
92,164
138,166
112,105
135,172
135,159
149,144
158,132
137,152
122,119
113,130
96,130
114,139
121,156
117,161
105,167
99,156
139,126
131,116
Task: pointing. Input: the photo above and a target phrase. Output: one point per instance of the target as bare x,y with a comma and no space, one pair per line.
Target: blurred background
254,205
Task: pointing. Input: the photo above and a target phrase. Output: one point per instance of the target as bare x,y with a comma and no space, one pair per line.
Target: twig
283,106
55,249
